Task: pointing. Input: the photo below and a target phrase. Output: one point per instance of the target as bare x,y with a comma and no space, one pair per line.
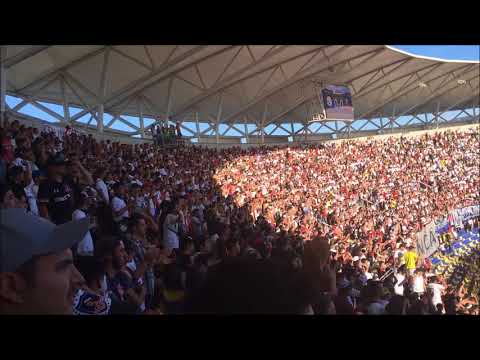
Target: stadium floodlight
422,85
461,82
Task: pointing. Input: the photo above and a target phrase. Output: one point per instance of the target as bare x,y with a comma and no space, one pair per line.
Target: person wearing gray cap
37,274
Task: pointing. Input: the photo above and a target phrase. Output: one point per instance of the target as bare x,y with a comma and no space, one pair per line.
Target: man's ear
12,287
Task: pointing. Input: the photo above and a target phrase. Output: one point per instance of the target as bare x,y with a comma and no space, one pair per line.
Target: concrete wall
323,137
222,139
268,139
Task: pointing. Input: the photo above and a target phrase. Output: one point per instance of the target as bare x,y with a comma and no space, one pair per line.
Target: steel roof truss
410,75
63,68
85,106
436,96
226,83
397,95
120,52
382,70
33,102
23,55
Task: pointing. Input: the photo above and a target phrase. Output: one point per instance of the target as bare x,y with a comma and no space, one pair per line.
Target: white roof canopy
237,83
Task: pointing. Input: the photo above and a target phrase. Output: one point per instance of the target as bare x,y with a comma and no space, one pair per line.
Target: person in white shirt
31,192
171,228
84,247
400,280
119,206
138,198
101,186
418,283
436,290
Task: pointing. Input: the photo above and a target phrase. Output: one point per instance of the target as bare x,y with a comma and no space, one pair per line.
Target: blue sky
449,52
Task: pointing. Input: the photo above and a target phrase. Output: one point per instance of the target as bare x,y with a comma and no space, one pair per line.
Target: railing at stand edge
387,274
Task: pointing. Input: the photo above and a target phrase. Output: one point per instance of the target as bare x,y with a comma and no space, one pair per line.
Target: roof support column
104,79
264,118
66,108
3,82
475,121
142,123
100,118
436,113
392,118
169,102
246,129
219,116
198,126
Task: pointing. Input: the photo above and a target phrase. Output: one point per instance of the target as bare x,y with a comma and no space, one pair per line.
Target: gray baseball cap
23,236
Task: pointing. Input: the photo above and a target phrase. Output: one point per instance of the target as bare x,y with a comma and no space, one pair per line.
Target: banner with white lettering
427,240
465,214
441,226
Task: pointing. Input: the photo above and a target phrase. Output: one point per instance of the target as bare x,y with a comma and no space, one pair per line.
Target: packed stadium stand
173,214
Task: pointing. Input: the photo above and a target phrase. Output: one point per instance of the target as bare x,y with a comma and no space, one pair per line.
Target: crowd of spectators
313,229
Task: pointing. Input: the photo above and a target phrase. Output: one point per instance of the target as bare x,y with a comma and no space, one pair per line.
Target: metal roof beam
138,62
226,83
23,55
287,111
63,68
303,101
463,100
82,87
275,129
404,85
287,131
435,96
85,106
150,59
25,102
211,126
127,123
66,108
39,106
397,95
301,129
157,113
295,80
146,82
368,84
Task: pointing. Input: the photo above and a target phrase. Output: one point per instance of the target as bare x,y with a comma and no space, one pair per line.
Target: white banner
467,213
427,240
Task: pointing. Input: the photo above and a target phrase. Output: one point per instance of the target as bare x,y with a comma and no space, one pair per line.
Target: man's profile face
120,256
55,283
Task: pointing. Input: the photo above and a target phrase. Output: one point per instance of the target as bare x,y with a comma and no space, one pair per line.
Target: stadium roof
235,83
